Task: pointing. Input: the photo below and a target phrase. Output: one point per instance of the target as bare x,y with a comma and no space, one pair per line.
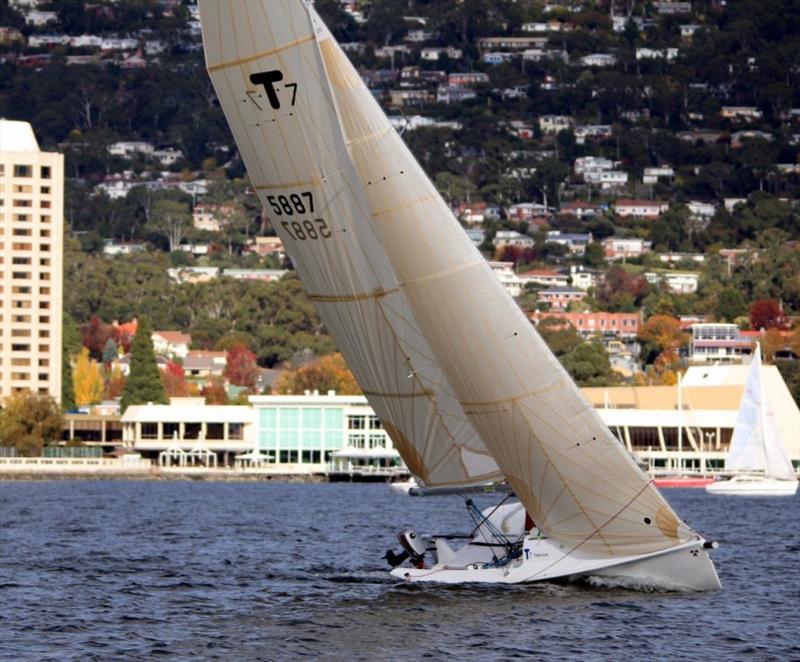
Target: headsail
572,475
269,77
756,443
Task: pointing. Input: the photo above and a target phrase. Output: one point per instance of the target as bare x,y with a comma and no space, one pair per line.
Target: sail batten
572,475
265,64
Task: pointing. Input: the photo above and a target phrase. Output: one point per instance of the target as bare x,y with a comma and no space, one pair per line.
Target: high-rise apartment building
31,262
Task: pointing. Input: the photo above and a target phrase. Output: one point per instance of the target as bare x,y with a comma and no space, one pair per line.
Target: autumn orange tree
214,391
87,380
328,373
174,381
661,337
241,368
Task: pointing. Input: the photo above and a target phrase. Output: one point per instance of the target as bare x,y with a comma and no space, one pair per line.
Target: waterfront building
31,262
612,325
718,342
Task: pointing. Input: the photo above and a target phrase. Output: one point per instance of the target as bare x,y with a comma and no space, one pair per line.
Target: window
20,363
23,171
44,290
44,218
21,319
20,333
19,375
44,363
44,333
215,430
20,260
44,305
236,431
22,275
192,430
22,188
44,348
20,348
43,377
44,204
44,190
171,430
357,422
44,276
44,261
44,319
45,248
22,203
44,233
149,430
45,172
22,218
22,232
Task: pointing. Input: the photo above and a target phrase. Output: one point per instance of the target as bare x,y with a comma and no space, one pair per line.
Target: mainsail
756,443
577,481
268,75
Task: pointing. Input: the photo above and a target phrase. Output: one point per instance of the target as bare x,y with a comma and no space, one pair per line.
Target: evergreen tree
144,382
67,390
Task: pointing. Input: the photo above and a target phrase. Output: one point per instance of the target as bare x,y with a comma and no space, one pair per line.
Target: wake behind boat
464,385
757,450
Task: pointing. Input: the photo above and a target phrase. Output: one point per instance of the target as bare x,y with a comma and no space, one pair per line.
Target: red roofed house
648,209
171,343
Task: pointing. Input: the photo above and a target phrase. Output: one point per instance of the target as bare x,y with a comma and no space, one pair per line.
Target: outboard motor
413,548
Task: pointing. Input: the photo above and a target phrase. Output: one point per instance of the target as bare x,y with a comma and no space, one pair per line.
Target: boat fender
710,544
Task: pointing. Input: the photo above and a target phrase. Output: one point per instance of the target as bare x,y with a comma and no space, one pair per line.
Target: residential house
167,156
576,243
528,212
707,136
584,278
545,277
701,211
585,164
267,246
671,7
418,36
668,54
497,57
265,275
389,52
579,209
512,238
202,364
592,132
615,325
467,78
504,271
410,97
111,247
38,18
620,248
598,60
738,137
512,43
475,212
129,148
740,113
559,298
210,217
606,179
453,94
539,54
171,343
476,235
653,174
688,30
718,342
555,123
680,283
433,54
644,209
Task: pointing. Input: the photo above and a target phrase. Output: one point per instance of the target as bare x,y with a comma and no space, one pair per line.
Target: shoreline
217,476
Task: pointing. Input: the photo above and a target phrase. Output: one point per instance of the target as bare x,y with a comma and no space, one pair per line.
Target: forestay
578,482
756,443
266,69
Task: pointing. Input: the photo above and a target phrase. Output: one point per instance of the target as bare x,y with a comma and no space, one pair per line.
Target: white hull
402,486
687,567
753,486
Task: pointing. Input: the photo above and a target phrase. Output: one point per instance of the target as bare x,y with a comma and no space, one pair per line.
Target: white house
627,208
555,123
512,238
652,175
171,343
512,283
607,179
598,60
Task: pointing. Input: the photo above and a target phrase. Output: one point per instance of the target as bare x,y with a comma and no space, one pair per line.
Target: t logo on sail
268,79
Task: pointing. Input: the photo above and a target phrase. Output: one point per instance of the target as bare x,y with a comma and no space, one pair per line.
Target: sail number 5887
298,204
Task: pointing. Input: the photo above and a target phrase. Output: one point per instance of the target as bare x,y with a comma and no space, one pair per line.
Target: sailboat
464,385
757,452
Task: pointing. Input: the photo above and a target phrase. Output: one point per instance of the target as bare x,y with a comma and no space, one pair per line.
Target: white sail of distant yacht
394,264
266,71
757,451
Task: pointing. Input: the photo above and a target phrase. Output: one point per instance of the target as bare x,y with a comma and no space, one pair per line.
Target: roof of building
174,337
17,136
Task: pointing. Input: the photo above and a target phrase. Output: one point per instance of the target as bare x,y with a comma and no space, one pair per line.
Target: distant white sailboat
756,450
466,388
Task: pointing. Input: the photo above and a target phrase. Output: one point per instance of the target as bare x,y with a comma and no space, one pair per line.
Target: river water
272,571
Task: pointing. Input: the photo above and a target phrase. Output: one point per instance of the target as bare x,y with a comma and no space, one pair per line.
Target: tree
144,381
109,351
329,373
561,337
588,364
172,219
214,391
87,380
767,314
730,305
661,339
95,334
28,421
594,257
771,342
115,383
241,368
174,381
